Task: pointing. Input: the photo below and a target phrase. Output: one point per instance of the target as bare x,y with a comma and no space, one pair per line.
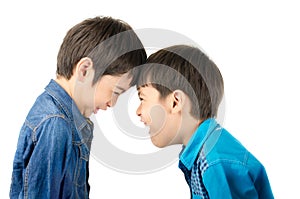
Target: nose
112,102
138,111
109,104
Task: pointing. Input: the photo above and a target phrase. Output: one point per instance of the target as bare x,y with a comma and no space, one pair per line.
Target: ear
177,101
83,68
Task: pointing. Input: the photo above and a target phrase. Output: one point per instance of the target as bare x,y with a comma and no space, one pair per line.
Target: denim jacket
52,156
216,166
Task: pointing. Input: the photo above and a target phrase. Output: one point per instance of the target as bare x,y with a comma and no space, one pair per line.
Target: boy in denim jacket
180,90
52,156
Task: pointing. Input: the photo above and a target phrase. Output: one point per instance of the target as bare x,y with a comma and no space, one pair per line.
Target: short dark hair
111,44
188,69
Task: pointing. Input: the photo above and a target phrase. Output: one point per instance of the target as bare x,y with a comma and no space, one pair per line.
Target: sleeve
50,159
24,141
228,180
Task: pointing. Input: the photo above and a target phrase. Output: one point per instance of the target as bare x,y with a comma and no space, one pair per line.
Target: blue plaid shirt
216,166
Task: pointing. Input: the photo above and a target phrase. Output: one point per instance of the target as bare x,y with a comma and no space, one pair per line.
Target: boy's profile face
108,89
156,113
103,94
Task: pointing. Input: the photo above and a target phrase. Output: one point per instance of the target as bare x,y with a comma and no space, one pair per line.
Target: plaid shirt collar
190,152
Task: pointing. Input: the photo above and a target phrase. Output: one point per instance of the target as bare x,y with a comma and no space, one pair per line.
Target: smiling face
159,115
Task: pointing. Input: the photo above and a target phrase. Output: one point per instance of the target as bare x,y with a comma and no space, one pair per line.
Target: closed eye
116,93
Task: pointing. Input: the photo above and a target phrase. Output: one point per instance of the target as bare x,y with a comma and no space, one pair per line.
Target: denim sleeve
24,144
49,160
228,180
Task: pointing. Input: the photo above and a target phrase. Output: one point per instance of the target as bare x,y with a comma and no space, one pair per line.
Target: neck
67,85
189,127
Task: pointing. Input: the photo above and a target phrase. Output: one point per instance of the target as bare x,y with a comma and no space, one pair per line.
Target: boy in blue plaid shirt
180,90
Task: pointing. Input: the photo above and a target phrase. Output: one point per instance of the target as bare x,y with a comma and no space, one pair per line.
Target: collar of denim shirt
71,110
190,152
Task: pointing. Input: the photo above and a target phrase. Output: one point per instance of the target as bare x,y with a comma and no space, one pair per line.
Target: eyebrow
140,93
120,88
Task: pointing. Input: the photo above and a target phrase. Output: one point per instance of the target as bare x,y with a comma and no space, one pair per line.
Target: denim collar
70,108
190,152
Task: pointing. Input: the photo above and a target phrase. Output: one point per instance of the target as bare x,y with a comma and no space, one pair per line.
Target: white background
256,45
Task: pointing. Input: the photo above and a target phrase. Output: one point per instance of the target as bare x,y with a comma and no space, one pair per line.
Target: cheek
102,96
158,118
97,99
114,98
88,96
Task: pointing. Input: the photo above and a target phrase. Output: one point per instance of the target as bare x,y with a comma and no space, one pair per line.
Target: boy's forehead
147,88
120,82
123,81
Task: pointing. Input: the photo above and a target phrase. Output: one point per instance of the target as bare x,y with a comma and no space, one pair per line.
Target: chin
87,115
157,143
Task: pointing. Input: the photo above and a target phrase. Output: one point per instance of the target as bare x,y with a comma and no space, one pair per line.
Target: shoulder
226,153
221,146
55,128
44,108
